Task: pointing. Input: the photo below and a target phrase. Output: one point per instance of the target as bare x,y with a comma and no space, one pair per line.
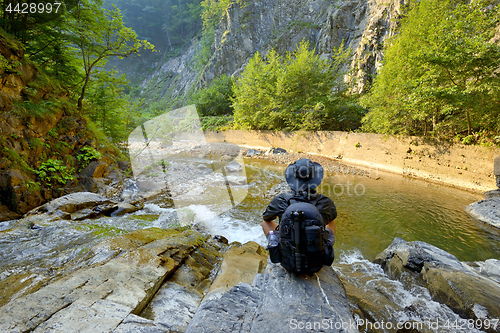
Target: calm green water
371,213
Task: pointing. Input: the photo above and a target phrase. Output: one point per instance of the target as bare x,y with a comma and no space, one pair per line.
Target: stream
371,213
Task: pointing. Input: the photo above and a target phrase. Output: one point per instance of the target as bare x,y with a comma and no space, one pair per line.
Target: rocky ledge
125,275
487,210
155,280
472,290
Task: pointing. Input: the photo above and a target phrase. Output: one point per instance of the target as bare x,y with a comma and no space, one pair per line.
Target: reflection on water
371,213
413,210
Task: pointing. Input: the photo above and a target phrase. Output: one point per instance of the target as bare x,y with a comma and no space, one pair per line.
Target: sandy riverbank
452,164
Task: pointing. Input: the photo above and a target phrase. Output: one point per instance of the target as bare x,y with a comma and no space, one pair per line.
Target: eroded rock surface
117,287
276,301
79,206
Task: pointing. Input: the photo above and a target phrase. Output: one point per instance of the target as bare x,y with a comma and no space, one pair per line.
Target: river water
371,213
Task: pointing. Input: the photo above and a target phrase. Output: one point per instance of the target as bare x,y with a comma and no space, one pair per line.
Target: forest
440,75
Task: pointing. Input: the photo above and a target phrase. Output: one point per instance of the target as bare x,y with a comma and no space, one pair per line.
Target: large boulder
470,291
275,301
75,206
487,211
79,206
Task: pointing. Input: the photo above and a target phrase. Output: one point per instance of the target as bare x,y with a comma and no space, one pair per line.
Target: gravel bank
330,166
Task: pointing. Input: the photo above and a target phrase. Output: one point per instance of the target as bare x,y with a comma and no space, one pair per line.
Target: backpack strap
294,199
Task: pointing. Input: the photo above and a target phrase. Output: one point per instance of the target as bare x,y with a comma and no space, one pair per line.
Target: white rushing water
396,304
207,220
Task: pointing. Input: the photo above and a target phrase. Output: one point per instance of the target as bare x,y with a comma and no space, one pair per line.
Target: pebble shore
330,165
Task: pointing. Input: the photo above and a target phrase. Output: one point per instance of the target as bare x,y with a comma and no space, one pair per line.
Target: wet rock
130,190
79,206
463,292
489,268
240,264
125,208
274,151
174,306
233,166
412,256
221,239
177,300
271,304
104,296
451,282
486,211
236,180
4,225
71,203
252,152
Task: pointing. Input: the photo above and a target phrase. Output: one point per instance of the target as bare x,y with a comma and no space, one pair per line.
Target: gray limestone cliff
252,26
259,25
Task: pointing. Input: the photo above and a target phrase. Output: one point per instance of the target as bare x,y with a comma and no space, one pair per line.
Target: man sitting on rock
303,177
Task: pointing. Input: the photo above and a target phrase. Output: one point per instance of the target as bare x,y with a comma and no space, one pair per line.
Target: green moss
146,217
16,160
100,231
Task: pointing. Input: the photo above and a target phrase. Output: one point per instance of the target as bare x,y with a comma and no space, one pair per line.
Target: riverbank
452,164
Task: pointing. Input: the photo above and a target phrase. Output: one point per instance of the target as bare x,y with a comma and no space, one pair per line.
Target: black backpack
303,239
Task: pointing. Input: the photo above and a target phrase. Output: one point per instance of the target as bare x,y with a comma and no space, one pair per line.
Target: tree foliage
107,108
440,73
100,34
71,47
300,91
215,99
168,24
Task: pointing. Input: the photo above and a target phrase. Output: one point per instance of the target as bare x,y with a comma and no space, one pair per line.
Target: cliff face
252,26
259,25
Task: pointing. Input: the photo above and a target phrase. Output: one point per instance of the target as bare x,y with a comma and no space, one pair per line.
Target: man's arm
331,236
331,226
269,225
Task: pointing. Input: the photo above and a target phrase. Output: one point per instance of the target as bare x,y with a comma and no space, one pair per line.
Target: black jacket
281,202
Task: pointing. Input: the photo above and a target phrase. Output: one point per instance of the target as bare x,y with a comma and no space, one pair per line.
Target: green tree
107,106
300,91
254,101
439,72
215,100
100,34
